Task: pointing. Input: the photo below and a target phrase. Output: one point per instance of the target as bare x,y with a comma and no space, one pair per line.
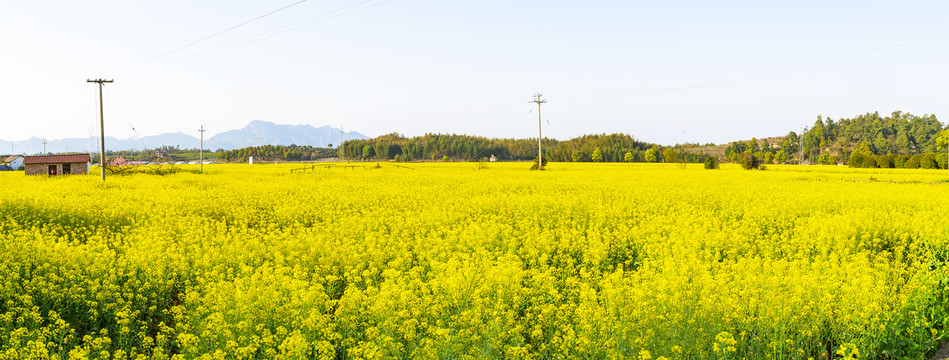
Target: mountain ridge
256,132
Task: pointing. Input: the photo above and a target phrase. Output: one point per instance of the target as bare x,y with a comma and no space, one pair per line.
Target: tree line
290,152
587,148
899,140
164,153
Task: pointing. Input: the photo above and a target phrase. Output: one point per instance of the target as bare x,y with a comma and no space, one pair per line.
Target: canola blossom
456,260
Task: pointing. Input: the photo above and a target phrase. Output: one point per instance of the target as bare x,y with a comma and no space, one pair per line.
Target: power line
820,57
332,14
736,80
775,75
126,118
329,15
172,51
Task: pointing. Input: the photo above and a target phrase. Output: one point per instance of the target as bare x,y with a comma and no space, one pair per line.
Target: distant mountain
269,134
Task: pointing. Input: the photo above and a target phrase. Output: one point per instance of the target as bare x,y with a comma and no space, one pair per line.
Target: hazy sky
663,71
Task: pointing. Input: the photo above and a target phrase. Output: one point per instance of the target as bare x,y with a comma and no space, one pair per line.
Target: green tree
650,155
826,159
576,156
885,161
768,157
913,162
367,152
596,156
445,158
753,145
928,161
749,160
941,160
628,157
940,141
860,154
669,155
781,157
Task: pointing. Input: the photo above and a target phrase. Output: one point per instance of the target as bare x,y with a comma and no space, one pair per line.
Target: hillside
898,134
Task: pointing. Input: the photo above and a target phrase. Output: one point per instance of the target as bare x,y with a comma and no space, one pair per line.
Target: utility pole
201,152
101,127
339,147
44,146
540,154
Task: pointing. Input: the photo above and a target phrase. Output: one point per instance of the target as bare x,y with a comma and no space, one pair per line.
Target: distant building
13,161
494,158
57,164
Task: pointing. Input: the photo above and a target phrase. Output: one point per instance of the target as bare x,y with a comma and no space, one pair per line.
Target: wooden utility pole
201,151
101,127
540,154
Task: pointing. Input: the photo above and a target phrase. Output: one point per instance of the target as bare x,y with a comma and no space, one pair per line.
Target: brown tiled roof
56,159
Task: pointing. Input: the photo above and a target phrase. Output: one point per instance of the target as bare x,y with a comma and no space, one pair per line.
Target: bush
534,166
899,161
711,162
885,161
913,162
928,161
749,161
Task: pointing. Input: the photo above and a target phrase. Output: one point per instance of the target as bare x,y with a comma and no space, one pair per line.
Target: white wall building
14,161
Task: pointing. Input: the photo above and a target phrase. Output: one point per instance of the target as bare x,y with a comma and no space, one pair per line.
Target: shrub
749,161
711,162
534,165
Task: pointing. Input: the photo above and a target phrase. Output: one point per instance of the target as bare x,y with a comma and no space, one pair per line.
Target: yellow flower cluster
450,260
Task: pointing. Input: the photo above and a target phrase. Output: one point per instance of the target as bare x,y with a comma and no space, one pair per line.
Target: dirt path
943,353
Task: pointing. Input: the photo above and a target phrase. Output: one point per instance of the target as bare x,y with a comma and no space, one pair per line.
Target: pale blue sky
663,71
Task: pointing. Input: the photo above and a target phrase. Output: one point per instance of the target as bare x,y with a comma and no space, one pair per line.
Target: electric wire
475,108
172,51
322,17
126,118
739,70
326,16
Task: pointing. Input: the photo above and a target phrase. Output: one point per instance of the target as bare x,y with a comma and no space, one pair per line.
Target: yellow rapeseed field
446,260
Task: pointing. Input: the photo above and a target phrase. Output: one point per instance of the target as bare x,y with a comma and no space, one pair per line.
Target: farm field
443,260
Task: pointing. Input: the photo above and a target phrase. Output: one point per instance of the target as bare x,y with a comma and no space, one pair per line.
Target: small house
494,158
13,161
57,164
